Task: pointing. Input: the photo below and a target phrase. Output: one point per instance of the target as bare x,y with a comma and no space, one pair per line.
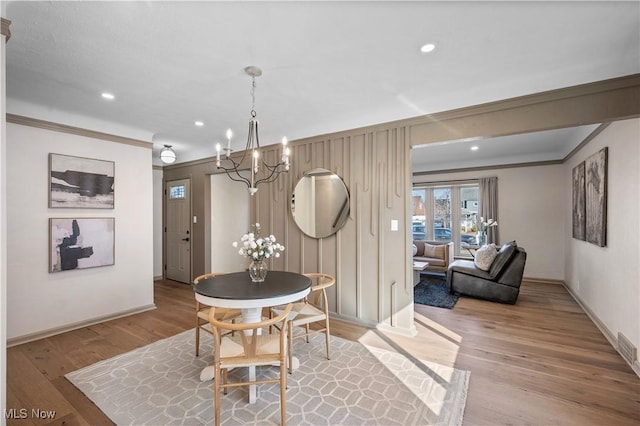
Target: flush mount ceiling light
199,123
261,171
108,96
167,154
474,148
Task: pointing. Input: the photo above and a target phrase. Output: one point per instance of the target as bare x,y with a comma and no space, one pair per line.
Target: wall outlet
394,225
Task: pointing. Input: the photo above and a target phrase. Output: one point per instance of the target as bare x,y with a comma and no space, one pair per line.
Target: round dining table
236,290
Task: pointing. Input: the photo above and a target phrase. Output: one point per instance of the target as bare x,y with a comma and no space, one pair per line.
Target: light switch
394,225
195,219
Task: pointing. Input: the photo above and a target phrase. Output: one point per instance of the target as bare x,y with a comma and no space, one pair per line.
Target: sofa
500,283
437,253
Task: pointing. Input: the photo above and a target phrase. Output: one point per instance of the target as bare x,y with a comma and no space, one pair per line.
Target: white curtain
488,206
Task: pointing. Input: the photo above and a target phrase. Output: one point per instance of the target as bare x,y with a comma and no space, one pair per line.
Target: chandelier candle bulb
229,136
218,148
256,156
285,150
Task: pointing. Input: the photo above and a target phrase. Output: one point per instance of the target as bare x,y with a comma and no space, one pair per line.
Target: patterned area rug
159,384
433,291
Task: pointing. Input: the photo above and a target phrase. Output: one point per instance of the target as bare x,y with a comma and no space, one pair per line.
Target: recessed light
429,47
199,123
474,148
108,96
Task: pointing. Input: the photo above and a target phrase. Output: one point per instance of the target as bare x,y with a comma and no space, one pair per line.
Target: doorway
178,230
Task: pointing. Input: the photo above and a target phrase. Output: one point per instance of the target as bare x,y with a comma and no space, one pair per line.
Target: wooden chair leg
197,337
306,326
290,355
327,336
283,392
216,393
225,377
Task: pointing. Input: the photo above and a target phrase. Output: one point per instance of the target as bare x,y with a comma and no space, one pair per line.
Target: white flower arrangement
488,224
254,247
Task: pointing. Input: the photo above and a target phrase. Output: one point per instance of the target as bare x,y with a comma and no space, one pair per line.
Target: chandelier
232,168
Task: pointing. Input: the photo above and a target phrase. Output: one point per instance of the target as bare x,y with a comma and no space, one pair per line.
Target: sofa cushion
502,259
485,256
467,267
434,251
433,261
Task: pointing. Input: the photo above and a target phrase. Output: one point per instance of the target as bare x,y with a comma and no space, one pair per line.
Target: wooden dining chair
249,348
202,313
312,309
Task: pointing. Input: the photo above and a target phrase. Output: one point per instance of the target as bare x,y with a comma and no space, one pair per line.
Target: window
446,212
177,192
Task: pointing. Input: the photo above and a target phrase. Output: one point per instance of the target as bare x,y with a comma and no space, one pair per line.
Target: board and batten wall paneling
371,263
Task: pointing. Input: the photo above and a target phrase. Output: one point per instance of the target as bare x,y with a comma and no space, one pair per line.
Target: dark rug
433,291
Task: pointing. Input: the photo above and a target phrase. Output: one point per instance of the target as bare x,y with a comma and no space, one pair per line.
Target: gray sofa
501,283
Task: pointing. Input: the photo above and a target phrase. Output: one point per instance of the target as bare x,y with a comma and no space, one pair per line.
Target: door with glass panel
178,231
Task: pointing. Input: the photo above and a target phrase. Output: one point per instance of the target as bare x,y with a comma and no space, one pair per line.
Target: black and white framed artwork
596,197
79,243
578,188
77,182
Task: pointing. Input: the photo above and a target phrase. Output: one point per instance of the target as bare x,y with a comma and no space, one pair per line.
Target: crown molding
63,128
495,167
592,103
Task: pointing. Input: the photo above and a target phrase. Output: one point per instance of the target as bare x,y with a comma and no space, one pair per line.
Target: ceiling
327,66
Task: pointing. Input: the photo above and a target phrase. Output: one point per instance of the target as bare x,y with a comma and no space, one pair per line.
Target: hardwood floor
539,362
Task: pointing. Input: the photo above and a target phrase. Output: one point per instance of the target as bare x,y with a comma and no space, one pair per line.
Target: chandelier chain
253,97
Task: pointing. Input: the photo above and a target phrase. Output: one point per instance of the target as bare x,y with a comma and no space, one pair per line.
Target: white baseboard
14,341
543,280
613,340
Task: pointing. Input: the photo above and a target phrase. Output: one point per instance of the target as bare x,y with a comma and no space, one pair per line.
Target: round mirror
320,203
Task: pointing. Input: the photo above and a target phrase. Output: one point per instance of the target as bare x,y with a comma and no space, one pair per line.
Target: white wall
158,191
607,279
3,230
229,221
69,298
530,211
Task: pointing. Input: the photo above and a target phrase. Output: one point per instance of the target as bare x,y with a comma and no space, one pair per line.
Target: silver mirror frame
320,203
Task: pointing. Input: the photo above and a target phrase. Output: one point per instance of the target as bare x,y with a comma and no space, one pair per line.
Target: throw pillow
485,256
415,250
435,251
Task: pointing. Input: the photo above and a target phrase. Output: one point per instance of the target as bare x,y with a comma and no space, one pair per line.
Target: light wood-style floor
539,362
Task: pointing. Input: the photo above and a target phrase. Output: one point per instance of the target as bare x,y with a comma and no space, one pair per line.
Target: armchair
501,283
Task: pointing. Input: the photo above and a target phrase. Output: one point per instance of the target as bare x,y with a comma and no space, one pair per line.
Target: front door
178,231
